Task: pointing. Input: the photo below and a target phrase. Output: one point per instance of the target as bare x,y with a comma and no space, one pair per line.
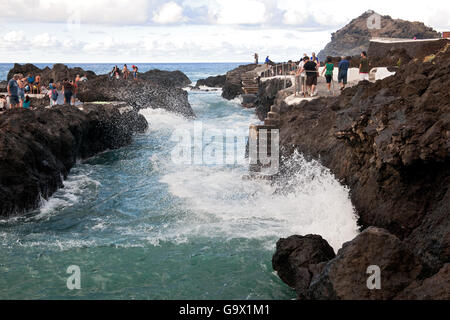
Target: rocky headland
39,147
389,142
232,87
355,36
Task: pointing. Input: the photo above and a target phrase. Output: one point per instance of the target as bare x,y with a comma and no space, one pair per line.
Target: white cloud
168,13
14,36
45,40
239,12
86,11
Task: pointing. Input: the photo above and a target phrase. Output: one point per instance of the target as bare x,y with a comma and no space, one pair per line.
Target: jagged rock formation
214,81
267,94
168,78
58,73
39,147
354,37
389,141
141,94
233,83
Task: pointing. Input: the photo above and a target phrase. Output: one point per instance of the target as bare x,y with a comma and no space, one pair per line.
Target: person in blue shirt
13,91
26,102
344,64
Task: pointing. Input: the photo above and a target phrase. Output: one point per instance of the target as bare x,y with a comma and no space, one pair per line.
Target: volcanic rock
39,147
139,94
355,36
298,258
214,82
233,83
389,142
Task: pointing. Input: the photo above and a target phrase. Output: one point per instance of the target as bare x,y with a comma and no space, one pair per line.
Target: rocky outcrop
387,141
39,147
167,78
267,94
355,36
298,259
139,94
213,82
233,83
58,72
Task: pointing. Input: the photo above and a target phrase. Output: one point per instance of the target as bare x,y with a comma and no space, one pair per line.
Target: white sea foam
74,188
161,119
309,201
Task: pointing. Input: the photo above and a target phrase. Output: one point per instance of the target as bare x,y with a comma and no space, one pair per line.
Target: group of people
308,72
19,89
116,72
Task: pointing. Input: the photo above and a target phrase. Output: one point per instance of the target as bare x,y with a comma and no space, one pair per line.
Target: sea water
142,226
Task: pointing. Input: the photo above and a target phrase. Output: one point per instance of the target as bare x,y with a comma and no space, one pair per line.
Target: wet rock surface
39,147
299,258
213,82
233,83
167,78
267,94
389,142
139,94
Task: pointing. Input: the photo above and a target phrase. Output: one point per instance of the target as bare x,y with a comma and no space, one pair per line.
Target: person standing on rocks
21,84
67,91
13,91
301,76
38,83
256,58
125,72
328,69
344,64
364,67
135,72
311,76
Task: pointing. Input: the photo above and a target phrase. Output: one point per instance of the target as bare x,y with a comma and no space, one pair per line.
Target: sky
93,31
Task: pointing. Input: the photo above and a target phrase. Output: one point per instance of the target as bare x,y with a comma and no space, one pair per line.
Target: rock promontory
39,147
389,142
355,36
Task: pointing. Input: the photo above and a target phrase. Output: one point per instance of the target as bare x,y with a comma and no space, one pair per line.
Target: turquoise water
141,226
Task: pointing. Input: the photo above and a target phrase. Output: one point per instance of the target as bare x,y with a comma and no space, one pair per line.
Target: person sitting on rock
27,102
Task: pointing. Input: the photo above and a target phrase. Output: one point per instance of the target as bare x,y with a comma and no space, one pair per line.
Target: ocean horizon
194,70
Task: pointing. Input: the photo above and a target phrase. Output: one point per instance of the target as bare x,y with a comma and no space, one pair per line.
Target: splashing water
140,226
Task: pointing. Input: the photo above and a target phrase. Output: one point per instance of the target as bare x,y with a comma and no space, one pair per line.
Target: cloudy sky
185,30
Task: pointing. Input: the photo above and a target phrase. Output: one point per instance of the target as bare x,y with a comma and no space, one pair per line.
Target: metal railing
283,69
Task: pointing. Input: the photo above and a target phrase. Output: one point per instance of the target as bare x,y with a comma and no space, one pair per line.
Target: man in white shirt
300,77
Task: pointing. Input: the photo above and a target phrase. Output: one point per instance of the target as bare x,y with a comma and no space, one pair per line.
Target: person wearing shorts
328,69
13,91
68,91
344,64
364,67
311,75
